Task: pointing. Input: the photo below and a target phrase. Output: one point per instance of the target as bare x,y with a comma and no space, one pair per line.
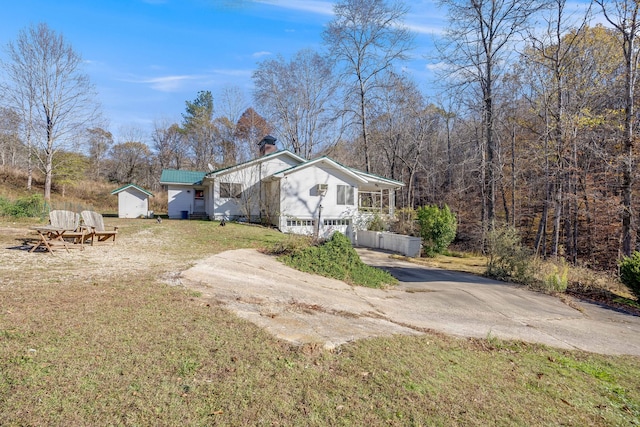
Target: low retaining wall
406,245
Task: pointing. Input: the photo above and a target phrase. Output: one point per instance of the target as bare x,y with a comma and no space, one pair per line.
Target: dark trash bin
184,214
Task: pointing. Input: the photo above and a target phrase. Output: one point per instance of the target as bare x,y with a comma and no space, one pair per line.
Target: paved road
301,307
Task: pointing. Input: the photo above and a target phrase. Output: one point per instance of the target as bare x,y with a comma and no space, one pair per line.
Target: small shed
133,202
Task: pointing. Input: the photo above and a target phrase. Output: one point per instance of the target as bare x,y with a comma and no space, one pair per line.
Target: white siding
180,199
300,199
132,203
253,190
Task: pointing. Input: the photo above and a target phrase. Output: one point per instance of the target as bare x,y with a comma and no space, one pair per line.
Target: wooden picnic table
52,238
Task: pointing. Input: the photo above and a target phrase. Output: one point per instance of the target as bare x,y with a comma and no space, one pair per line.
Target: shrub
405,222
293,243
437,228
630,272
28,206
508,259
551,276
337,259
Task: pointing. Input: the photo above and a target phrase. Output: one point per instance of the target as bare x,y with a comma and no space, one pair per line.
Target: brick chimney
267,145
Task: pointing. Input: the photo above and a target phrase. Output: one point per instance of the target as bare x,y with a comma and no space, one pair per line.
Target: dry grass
473,264
108,336
85,194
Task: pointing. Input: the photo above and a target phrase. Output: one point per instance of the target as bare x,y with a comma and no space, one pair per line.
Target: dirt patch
130,256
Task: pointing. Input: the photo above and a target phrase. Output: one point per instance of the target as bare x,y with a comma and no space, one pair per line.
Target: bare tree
231,105
169,143
297,97
479,39
130,158
554,51
11,148
623,16
100,141
46,85
367,37
401,126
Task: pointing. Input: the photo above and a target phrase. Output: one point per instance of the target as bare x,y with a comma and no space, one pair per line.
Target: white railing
406,245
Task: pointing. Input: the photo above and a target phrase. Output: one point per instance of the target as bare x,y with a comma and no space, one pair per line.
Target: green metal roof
124,187
172,176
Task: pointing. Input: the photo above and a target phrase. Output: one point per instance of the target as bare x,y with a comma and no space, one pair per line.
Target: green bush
508,259
28,206
337,259
630,272
437,228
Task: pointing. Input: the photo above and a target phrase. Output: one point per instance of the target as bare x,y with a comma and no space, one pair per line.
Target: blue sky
147,57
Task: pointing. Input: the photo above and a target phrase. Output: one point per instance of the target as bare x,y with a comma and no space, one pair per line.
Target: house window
230,190
345,195
300,223
342,221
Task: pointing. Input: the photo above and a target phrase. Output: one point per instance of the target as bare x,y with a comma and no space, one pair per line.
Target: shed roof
124,187
173,176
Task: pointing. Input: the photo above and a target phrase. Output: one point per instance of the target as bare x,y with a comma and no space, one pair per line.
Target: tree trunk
541,236
513,176
491,150
363,122
557,216
627,173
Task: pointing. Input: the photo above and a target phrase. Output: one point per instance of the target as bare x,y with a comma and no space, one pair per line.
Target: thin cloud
232,72
424,29
438,66
314,6
165,83
177,83
261,54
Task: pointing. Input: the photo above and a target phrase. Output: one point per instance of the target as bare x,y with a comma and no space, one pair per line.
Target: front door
198,201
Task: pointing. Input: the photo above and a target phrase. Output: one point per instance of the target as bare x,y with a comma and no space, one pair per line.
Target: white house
186,193
299,196
133,201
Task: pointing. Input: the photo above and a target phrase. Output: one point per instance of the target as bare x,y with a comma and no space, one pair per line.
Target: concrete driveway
300,307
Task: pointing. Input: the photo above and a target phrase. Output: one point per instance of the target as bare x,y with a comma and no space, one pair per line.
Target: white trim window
345,195
230,190
300,223
342,221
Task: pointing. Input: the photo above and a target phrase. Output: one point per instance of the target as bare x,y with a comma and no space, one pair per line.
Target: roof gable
322,160
125,187
173,176
255,161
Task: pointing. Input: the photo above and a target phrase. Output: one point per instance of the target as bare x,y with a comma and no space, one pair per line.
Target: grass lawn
108,336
